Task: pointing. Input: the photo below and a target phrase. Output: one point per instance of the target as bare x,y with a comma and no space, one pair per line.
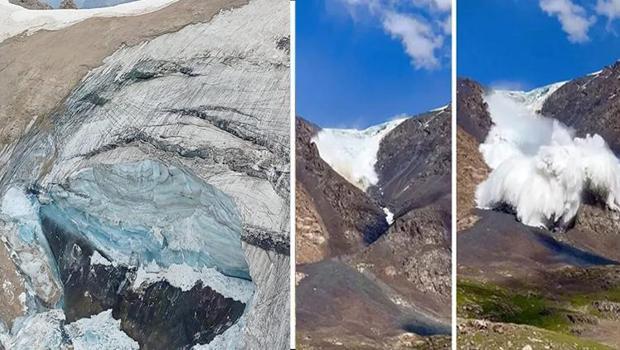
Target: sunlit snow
352,153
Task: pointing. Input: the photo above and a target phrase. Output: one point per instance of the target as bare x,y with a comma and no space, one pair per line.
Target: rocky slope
564,270
144,190
390,285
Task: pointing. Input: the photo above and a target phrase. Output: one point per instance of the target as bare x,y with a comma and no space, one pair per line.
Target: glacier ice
145,211
186,277
99,332
21,229
539,167
47,330
352,153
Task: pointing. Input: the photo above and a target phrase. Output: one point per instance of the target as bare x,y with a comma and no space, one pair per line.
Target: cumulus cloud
573,18
418,38
438,5
608,8
420,25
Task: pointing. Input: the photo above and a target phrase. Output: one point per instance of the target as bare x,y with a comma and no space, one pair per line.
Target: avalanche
539,167
352,153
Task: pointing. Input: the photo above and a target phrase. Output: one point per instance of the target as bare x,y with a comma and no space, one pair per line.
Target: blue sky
528,43
361,62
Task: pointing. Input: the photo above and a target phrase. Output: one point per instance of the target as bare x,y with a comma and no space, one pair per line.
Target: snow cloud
422,26
573,18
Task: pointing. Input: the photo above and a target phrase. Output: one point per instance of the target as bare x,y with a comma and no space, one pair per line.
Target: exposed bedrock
414,164
350,216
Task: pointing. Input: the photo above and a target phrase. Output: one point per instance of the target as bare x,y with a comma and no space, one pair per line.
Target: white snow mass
352,153
539,167
389,216
15,19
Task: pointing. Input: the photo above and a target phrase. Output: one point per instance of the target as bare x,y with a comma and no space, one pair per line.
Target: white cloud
446,25
439,5
418,38
421,25
573,18
608,8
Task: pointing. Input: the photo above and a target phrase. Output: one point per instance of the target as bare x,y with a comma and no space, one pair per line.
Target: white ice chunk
389,216
100,332
185,277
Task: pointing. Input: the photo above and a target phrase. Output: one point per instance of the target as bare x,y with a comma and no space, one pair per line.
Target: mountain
504,262
373,246
144,184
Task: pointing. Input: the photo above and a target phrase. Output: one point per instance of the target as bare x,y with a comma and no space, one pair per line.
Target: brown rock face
12,286
590,104
414,257
471,110
31,4
472,170
312,236
351,218
68,4
414,163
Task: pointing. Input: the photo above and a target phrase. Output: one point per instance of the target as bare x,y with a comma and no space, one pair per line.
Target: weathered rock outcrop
352,219
471,110
590,104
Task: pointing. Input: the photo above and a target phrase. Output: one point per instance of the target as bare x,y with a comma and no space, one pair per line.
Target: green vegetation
496,304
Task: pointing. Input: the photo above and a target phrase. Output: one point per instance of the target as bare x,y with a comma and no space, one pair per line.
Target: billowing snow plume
352,153
539,168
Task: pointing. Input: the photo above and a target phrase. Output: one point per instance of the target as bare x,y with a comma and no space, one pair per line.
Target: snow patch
185,277
98,259
539,167
352,153
15,19
389,216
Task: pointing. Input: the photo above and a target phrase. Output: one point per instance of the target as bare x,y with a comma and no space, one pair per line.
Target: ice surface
15,19
185,277
38,332
22,230
540,168
151,212
99,332
352,153
47,330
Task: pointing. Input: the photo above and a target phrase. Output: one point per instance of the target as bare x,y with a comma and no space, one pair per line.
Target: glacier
540,169
166,172
352,153
145,211
47,330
